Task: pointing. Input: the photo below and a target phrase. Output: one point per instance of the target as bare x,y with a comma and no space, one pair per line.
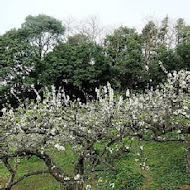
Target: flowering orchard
54,121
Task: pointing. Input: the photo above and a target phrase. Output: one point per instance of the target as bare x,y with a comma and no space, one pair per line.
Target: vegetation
40,54
83,114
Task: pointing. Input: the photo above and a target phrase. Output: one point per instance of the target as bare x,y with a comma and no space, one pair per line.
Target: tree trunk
79,169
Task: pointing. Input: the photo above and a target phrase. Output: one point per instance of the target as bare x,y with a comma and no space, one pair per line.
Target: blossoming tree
53,122
37,126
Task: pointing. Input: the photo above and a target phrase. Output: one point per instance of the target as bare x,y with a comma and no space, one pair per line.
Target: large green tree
124,50
17,58
43,32
183,53
22,51
79,66
158,53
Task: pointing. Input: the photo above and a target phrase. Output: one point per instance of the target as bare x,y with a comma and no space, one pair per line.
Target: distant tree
166,60
163,33
43,32
158,54
22,51
149,36
79,66
91,27
78,39
183,53
179,27
17,59
70,27
124,50
186,33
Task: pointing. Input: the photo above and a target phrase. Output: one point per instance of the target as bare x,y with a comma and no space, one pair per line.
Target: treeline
45,52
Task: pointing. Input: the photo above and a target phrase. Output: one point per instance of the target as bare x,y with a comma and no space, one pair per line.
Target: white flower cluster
59,147
88,187
57,120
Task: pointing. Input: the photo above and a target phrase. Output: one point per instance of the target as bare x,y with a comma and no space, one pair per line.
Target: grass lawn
166,162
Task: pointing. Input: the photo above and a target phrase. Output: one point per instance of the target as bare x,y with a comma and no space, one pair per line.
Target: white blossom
77,177
127,93
141,147
4,110
179,131
112,185
59,147
88,187
66,178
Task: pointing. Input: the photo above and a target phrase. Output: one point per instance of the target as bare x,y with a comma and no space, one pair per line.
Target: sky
132,13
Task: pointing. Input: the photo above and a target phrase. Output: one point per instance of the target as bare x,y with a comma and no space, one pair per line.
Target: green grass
167,165
166,162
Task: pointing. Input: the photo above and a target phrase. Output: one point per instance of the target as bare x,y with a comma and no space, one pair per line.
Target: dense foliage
38,53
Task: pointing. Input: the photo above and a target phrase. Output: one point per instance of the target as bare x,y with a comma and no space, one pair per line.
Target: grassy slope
166,161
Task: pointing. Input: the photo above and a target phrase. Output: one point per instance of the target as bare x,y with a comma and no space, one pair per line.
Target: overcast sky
132,13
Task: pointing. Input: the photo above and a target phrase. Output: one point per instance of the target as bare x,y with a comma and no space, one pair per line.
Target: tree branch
10,185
